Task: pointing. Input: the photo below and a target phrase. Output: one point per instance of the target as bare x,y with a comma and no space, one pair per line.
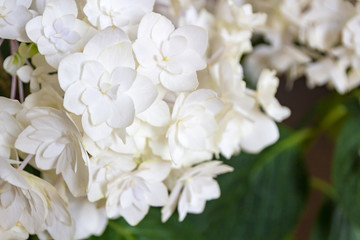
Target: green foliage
346,168
333,224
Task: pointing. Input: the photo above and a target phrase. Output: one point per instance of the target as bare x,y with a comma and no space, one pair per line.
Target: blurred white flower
266,89
193,188
322,23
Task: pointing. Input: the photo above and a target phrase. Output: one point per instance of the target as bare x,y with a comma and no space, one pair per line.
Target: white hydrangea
128,107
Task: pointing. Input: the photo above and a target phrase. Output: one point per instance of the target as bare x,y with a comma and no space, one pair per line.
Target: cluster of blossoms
315,38
130,102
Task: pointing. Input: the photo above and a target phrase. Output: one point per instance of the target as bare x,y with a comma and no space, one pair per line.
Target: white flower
58,32
16,232
171,57
106,167
351,34
12,63
45,97
55,141
191,135
58,222
120,13
131,194
255,130
322,23
193,188
232,128
32,202
101,84
10,128
266,89
19,202
263,133
90,219
40,76
14,14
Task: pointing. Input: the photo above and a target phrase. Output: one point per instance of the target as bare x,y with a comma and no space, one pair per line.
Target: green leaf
262,199
346,168
333,225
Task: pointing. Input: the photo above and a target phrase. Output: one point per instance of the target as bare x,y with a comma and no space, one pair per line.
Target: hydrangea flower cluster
315,38
131,104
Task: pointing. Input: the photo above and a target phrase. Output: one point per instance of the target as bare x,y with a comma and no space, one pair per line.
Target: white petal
70,69
197,37
72,98
263,134
143,93
179,83
123,112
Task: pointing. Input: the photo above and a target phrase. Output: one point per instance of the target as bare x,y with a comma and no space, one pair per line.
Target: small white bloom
351,34
102,86
193,188
130,195
33,203
191,134
55,141
104,168
41,76
14,14
170,56
12,63
58,32
322,23
19,201
266,89
58,222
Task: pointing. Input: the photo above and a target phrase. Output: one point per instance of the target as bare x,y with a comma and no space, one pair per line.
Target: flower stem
14,45
13,87
21,91
25,162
